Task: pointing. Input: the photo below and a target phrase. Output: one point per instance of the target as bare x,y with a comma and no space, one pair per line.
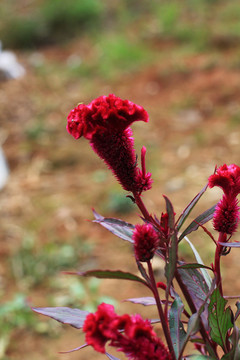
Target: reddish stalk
217,269
164,321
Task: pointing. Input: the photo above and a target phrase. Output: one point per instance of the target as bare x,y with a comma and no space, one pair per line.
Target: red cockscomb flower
146,242
226,216
130,334
227,177
105,122
99,327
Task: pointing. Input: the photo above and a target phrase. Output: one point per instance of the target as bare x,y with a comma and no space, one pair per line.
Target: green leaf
177,331
189,207
65,315
200,220
118,227
220,319
110,274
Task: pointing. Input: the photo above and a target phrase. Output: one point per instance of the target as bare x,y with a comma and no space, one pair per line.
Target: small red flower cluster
146,241
130,334
105,123
226,217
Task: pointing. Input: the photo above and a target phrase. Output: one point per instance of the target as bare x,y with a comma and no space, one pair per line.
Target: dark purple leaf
197,288
118,227
189,207
238,310
170,212
142,271
111,357
171,262
110,274
234,244
234,353
200,220
177,331
194,266
76,349
65,315
146,301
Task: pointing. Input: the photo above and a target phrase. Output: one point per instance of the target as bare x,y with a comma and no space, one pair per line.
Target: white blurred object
4,171
9,66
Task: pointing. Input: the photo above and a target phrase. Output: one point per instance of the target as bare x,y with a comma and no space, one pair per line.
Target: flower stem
164,321
217,269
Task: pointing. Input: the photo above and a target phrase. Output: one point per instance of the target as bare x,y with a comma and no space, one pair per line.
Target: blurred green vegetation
199,23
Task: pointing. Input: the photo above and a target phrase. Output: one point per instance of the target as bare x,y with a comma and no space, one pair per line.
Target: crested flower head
99,327
104,114
227,177
105,123
146,241
132,335
226,216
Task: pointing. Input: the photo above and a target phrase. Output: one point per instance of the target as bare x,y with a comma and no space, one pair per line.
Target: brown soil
194,125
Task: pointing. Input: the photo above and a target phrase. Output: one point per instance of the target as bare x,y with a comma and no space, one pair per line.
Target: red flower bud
146,242
226,216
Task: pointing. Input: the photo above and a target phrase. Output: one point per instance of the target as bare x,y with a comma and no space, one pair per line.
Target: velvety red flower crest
105,123
227,177
106,113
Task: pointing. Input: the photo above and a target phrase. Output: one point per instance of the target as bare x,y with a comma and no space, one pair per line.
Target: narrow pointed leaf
111,357
197,288
146,301
65,315
200,220
233,245
199,357
238,310
171,263
220,319
110,274
194,266
118,227
142,271
204,272
189,208
72,350
177,331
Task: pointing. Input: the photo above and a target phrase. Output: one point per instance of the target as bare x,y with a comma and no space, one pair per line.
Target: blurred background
180,60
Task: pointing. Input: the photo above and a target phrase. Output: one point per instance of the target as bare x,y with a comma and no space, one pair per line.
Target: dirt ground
55,180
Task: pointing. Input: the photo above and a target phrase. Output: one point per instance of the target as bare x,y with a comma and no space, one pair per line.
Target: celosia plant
197,314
